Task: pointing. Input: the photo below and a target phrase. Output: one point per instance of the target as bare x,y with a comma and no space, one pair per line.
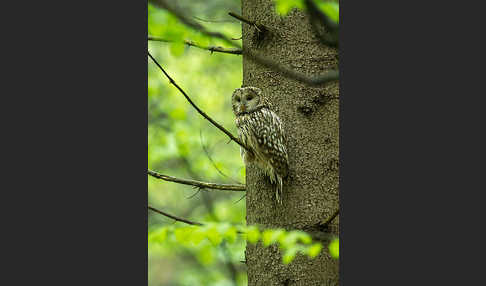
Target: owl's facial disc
251,101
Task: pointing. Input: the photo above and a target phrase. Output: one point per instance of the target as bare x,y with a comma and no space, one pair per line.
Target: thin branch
259,26
193,195
330,219
322,236
212,49
206,151
198,109
332,75
174,217
213,21
200,184
317,15
181,219
239,199
332,26
323,38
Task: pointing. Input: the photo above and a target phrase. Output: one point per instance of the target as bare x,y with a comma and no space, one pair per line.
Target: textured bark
311,121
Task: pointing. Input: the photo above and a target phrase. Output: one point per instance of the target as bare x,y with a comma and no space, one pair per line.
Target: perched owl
261,130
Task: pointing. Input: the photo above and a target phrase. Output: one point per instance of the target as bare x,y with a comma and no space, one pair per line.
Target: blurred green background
177,137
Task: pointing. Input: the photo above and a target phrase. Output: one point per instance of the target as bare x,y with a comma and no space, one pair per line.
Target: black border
75,125
76,107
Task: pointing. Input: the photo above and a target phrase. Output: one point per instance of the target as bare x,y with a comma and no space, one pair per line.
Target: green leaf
314,250
271,236
289,255
177,49
174,30
243,172
197,236
230,234
214,236
283,7
205,255
334,248
304,237
291,238
178,113
252,234
158,236
183,234
331,9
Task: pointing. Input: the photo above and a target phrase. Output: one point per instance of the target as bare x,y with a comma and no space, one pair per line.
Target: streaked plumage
261,130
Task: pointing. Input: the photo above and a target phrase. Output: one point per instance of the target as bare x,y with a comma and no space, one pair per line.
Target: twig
174,217
182,219
332,26
317,15
194,44
259,26
200,184
206,151
330,219
332,75
198,109
212,21
193,195
322,236
239,199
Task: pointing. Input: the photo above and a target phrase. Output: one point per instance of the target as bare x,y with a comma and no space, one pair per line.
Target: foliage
330,8
176,136
334,248
289,242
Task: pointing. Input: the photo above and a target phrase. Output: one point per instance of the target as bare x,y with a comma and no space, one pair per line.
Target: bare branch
330,219
259,26
193,195
317,15
206,151
332,75
198,109
332,26
181,219
212,49
239,199
322,236
200,184
174,217
213,21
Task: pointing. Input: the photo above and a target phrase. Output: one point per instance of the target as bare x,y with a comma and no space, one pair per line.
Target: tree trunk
310,116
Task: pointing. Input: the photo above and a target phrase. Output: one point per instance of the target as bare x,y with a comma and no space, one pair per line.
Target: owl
261,130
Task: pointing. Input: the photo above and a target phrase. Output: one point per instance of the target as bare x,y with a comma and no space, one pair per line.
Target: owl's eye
238,99
250,97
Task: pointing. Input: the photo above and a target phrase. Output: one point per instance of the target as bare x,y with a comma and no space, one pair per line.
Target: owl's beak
242,108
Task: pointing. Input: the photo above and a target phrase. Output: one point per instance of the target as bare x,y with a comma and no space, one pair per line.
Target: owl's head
247,99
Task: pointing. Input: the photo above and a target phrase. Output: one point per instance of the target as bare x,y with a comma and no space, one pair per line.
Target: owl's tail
279,190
